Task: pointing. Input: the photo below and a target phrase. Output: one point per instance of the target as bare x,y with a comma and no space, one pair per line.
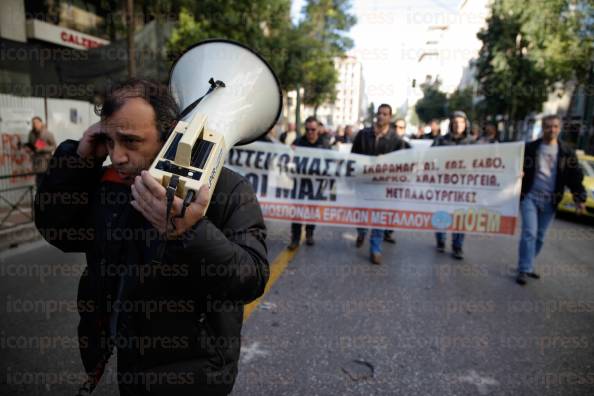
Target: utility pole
298,110
587,117
131,28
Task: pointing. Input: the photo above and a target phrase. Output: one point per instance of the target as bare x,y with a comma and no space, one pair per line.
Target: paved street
422,323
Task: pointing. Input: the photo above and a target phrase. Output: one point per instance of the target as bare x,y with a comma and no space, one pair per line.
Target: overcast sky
388,37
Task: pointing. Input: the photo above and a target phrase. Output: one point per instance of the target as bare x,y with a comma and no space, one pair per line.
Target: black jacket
448,140
366,143
569,172
303,142
189,307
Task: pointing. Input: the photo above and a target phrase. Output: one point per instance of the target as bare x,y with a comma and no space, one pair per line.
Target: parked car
587,165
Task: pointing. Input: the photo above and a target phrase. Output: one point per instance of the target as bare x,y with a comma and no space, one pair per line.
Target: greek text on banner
471,189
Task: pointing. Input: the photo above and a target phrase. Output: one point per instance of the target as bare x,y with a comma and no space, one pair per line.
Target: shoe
293,245
521,278
388,238
458,253
309,240
440,247
532,275
375,258
360,240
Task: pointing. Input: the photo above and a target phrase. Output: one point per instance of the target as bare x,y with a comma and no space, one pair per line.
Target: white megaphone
229,95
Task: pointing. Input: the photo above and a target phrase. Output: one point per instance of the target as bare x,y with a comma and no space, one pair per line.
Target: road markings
481,383
276,269
249,353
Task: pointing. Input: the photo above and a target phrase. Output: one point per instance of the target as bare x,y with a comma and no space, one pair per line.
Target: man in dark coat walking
168,295
377,140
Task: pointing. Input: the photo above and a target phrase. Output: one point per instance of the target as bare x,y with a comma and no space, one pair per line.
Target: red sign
79,40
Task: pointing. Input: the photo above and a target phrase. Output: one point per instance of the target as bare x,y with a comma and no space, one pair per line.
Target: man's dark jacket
303,142
449,140
189,307
569,172
367,144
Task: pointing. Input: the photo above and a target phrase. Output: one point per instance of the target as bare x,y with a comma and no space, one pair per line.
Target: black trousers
296,231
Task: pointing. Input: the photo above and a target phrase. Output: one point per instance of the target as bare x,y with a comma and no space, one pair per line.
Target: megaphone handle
187,201
213,85
171,188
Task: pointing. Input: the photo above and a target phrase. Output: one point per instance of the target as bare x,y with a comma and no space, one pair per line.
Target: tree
325,25
529,47
433,104
263,25
462,99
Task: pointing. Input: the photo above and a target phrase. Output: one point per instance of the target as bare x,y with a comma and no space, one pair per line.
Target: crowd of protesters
549,167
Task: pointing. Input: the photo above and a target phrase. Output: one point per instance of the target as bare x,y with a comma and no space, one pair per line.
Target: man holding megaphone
167,275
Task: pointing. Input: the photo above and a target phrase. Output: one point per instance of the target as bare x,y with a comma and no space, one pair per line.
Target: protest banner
471,189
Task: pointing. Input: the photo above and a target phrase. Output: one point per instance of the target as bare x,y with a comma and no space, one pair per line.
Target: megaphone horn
229,96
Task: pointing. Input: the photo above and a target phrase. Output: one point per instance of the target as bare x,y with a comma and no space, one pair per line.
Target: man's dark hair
312,119
156,94
550,117
386,106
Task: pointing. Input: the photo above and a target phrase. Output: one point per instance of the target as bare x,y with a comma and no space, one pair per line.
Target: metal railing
17,204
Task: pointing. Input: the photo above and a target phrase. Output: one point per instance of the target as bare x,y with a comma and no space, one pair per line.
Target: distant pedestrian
549,167
475,132
289,136
376,140
420,132
458,134
42,144
490,134
400,127
325,135
435,130
311,139
348,134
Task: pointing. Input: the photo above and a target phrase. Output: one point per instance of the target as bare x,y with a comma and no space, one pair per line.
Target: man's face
132,138
383,116
458,125
348,131
37,124
551,129
434,126
312,131
400,128
490,131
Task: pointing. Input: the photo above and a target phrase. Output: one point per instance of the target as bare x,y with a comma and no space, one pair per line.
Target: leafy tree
263,25
433,104
528,47
462,99
325,25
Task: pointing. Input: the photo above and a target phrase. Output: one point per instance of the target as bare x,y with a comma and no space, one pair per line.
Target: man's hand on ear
151,201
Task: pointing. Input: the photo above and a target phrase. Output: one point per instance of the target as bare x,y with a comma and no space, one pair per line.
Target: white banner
471,189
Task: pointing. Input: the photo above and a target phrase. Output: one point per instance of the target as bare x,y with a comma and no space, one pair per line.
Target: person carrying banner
458,134
549,167
376,140
169,296
311,139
